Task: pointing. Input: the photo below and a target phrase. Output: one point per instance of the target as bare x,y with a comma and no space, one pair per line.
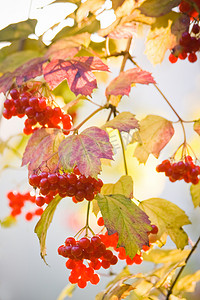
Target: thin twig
182,268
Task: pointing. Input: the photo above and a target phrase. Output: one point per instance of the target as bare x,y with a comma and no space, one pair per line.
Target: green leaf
89,25
17,31
195,193
187,283
44,223
124,121
160,256
169,218
154,134
123,186
85,151
121,215
157,8
8,221
196,126
67,291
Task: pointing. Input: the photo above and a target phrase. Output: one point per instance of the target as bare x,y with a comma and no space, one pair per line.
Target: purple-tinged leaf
124,121
41,150
85,151
77,72
123,216
6,82
121,85
29,70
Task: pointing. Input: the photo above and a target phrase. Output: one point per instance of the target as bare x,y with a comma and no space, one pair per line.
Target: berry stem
182,268
87,219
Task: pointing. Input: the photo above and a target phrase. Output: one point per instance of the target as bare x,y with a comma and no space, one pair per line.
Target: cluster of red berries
67,184
24,101
189,42
184,169
112,240
17,201
94,251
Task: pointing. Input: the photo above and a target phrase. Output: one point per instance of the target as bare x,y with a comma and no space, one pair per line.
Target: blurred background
23,274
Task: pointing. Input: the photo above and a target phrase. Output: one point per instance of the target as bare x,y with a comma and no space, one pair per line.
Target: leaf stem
182,268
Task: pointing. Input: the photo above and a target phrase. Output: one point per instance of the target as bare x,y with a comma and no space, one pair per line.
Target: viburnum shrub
45,85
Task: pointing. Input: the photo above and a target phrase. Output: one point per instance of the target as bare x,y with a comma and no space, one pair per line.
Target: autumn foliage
46,86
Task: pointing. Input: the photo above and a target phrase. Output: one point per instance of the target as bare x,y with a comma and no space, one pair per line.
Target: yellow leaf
168,217
123,186
195,193
160,38
187,283
67,291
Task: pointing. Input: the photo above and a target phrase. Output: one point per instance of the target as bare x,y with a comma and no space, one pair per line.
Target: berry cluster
67,184
112,240
94,251
184,169
17,201
189,42
24,101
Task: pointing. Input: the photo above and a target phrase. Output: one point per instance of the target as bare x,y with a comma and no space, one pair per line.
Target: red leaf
121,85
41,150
76,71
85,150
124,31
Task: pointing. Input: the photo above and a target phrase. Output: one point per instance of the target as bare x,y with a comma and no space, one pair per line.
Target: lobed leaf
41,150
77,72
196,126
85,150
44,223
157,8
154,134
195,193
169,218
121,215
124,121
123,186
121,85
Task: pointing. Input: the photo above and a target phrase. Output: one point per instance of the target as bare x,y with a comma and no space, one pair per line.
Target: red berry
173,59
192,57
